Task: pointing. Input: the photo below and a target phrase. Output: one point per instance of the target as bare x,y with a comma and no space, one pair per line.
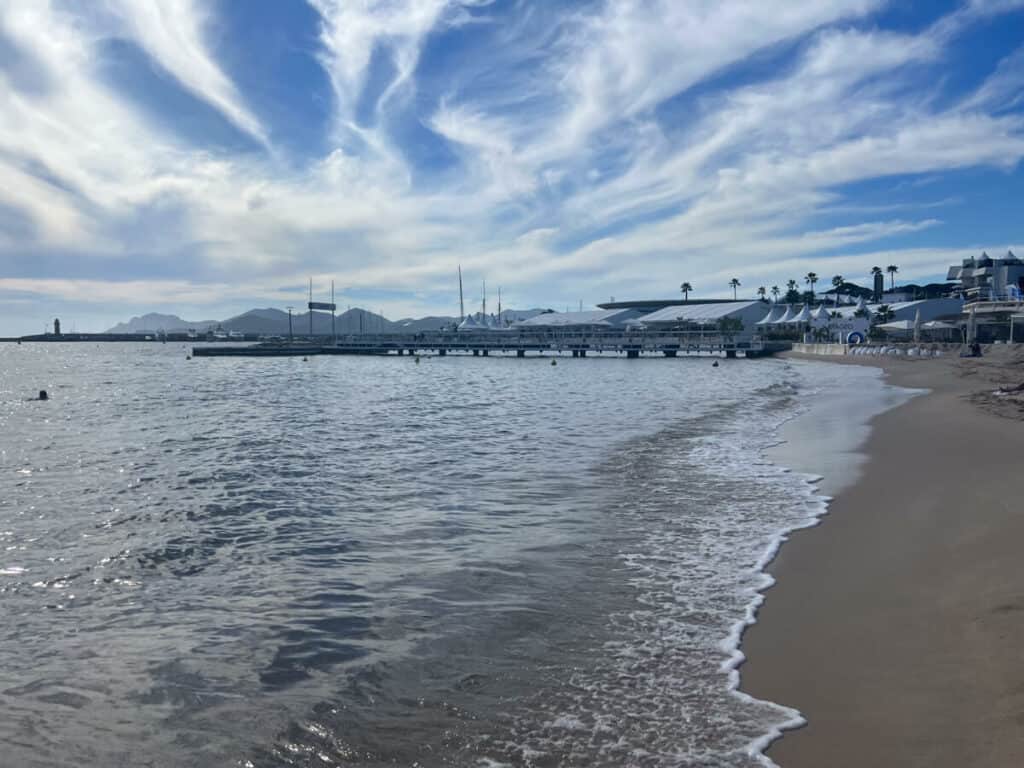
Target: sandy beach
896,626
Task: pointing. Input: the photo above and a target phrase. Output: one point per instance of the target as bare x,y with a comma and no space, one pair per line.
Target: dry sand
897,625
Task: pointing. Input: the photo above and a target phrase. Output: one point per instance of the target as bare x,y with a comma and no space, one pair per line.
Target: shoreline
894,624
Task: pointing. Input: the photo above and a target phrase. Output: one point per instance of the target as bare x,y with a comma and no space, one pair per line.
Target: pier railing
557,341
580,343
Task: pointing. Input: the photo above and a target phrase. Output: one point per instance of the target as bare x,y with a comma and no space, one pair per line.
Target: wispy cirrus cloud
172,32
583,149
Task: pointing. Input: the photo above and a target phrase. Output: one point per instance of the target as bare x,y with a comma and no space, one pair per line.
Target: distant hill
274,322
152,322
271,322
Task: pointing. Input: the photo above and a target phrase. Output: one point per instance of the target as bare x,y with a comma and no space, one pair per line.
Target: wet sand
897,625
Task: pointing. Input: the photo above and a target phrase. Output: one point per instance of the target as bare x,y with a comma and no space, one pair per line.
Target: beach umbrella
938,325
917,326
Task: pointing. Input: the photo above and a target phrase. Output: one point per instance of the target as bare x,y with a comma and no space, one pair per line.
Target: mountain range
274,322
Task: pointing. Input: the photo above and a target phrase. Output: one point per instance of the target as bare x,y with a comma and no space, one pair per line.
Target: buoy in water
417,359
43,395
305,359
188,357
554,362
714,364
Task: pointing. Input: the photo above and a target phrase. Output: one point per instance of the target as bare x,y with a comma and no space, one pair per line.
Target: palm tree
837,280
884,313
761,292
892,269
734,284
811,278
876,272
775,293
685,288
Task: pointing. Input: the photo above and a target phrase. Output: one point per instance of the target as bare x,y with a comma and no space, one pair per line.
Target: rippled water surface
368,561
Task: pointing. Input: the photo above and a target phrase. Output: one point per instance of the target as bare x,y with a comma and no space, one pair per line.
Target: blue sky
202,157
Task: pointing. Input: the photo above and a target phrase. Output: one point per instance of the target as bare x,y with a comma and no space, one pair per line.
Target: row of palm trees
811,278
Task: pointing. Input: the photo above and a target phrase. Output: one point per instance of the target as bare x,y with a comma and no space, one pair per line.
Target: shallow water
364,561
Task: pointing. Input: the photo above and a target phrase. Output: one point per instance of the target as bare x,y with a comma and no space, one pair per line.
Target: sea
379,561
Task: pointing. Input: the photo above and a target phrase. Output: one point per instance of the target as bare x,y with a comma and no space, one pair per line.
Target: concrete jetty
482,344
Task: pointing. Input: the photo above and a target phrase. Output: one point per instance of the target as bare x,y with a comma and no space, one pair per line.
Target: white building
708,317
594,320
988,279
930,309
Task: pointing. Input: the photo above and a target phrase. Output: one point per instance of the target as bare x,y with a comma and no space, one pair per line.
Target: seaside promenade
896,625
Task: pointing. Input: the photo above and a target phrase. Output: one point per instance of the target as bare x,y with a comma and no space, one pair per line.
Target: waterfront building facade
988,279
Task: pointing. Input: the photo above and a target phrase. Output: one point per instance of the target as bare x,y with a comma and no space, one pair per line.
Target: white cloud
75,129
50,213
171,31
568,178
1003,90
636,54
352,31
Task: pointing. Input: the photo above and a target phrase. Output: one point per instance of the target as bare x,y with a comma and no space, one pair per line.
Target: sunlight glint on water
365,561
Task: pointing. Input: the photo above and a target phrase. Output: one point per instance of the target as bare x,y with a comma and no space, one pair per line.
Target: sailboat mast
310,307
462,307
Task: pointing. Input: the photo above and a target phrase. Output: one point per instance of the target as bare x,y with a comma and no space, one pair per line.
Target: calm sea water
363,561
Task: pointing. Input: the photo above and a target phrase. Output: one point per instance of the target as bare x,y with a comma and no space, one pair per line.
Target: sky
203,157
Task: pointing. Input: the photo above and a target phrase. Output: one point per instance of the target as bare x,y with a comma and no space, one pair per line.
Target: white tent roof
700,314
789,314
803,316
820,313
600,317
937,325
469,324
776,312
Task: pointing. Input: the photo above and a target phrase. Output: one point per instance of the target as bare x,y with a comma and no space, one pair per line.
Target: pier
632,344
